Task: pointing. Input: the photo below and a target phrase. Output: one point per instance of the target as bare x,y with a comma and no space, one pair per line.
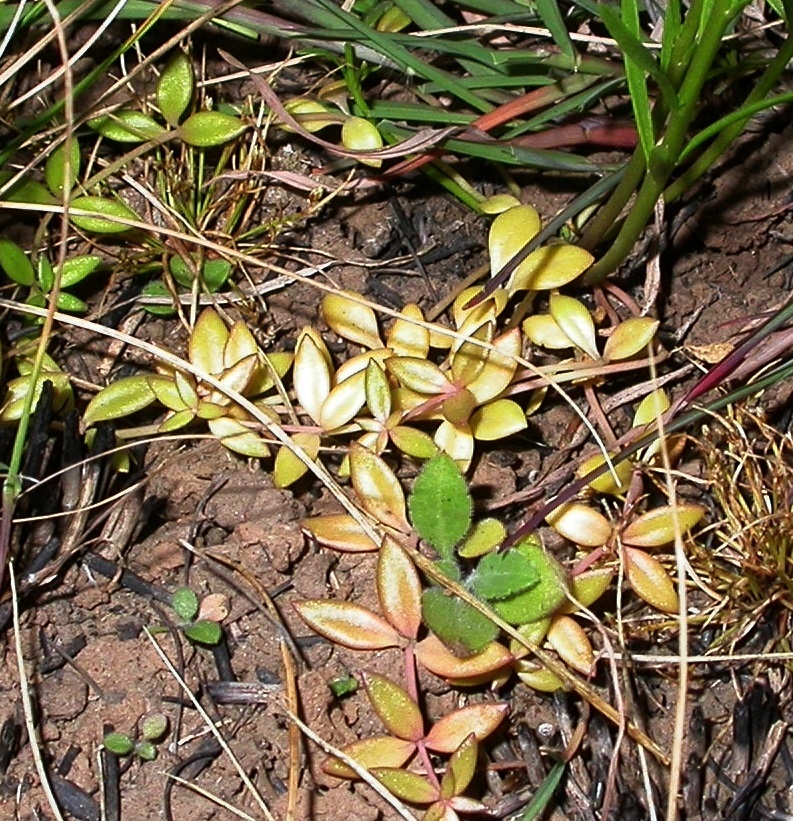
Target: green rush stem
663,159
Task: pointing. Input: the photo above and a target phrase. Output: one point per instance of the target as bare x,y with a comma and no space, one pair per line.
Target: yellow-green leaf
510,232
650,581
396,709
497,420
362,135
573,317
657,527
103,215
206,129
378,489
630,337
351,320
56,173
120,398
406,338
374,752
486,535
550,267
288,468
127,126
544,331
238,438
418,375
343,402
175,88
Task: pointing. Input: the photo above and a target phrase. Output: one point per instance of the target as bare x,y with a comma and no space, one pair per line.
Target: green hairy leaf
462,629
501,575
440,505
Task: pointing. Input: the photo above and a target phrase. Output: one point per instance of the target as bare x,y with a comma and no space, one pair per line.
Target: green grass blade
637,84
544,794
425,15
632,48
552,19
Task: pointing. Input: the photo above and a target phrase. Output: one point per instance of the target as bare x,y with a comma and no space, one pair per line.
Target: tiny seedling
187,606
153,729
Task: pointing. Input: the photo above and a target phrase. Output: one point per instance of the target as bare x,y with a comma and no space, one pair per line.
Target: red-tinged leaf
396,709
341,532
348,624
649,580
399,588
452,730
406,785
436,657
378,489
378,751
461,768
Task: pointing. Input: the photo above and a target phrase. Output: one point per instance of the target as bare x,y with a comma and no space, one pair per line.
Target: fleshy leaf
406,785
175,88
418,375
606,483
650,581
433,654
580,524
351,320
341,532
510,232
399,588
440,504
55,171
127,126
657,527
479,720
349,624
205,129
287,468
238,438
653,405
461,768
587,588
361,135
76,269
378,751
544,331
502,575
550,267
101,207
484,536
14,261
576,322
343,402
413,442
311,373
378,391
500,368
538,678
497,420
568,638
120,398
377,488
405,338
630,337
396,709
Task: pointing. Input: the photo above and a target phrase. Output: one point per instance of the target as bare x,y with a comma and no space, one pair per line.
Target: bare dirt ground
91,666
